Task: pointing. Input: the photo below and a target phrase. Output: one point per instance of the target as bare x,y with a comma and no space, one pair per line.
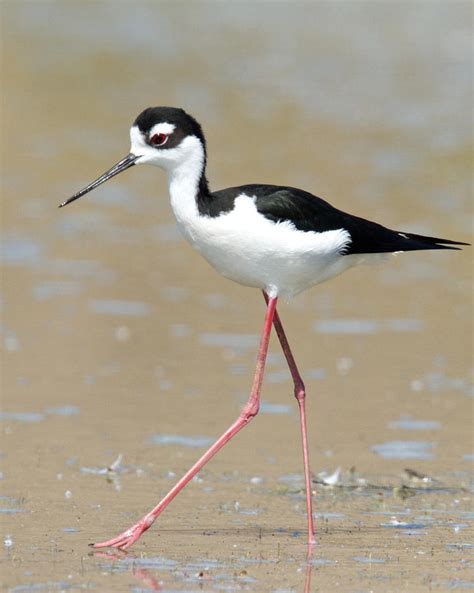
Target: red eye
158,139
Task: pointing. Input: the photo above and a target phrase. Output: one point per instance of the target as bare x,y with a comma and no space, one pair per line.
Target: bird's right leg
131,535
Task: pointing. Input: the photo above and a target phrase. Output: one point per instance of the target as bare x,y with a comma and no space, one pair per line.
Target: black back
303,210
310,213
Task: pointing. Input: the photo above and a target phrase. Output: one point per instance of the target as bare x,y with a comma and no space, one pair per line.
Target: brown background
364,103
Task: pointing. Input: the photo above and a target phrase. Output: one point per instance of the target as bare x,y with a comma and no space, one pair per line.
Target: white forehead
136,136
189,149
162,128
138,141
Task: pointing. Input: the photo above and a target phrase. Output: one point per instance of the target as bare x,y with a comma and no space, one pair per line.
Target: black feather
310,213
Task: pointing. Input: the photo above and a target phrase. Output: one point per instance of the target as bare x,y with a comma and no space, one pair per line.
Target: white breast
248,248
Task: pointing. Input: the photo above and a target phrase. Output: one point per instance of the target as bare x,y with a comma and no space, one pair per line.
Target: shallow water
125,355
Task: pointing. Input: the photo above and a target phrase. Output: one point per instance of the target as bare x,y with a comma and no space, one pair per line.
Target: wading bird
279,239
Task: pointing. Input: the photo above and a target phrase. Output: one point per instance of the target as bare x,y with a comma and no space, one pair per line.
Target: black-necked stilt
279,239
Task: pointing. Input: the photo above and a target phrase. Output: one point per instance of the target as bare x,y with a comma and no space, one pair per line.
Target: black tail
422,242
370,237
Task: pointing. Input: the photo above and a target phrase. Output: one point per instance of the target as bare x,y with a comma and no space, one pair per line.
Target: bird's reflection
308,569
145,576
140,573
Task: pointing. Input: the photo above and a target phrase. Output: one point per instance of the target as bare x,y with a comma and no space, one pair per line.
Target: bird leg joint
250,411
300,391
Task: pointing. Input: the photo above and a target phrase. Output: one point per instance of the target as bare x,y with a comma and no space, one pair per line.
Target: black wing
310,213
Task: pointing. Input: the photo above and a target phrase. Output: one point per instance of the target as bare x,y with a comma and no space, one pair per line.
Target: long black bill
125,163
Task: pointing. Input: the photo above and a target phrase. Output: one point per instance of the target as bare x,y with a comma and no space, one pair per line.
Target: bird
279,239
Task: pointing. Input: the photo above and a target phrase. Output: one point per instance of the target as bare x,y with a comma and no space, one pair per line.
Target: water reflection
19,251
156,573
404,450
119,307
366,326
409,423
180,440
236,342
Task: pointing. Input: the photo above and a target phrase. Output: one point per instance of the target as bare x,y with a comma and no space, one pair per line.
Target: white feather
242,244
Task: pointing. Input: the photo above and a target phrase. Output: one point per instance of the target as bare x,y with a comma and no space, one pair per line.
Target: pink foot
128,537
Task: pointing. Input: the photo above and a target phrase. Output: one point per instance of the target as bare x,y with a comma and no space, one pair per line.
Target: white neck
183,178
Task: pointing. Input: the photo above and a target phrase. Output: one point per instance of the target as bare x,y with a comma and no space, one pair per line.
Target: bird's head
166,137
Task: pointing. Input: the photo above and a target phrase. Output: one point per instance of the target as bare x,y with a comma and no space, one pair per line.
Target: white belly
246,247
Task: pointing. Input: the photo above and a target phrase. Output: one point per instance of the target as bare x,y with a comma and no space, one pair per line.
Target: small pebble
122,333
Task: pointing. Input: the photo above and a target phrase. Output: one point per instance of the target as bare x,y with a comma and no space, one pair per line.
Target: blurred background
119,339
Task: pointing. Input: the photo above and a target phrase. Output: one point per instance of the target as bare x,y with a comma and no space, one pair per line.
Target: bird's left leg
300,394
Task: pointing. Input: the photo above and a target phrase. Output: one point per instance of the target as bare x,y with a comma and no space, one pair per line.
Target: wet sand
124,353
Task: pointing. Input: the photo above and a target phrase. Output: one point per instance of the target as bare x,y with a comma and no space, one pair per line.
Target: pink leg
300,394
130,536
